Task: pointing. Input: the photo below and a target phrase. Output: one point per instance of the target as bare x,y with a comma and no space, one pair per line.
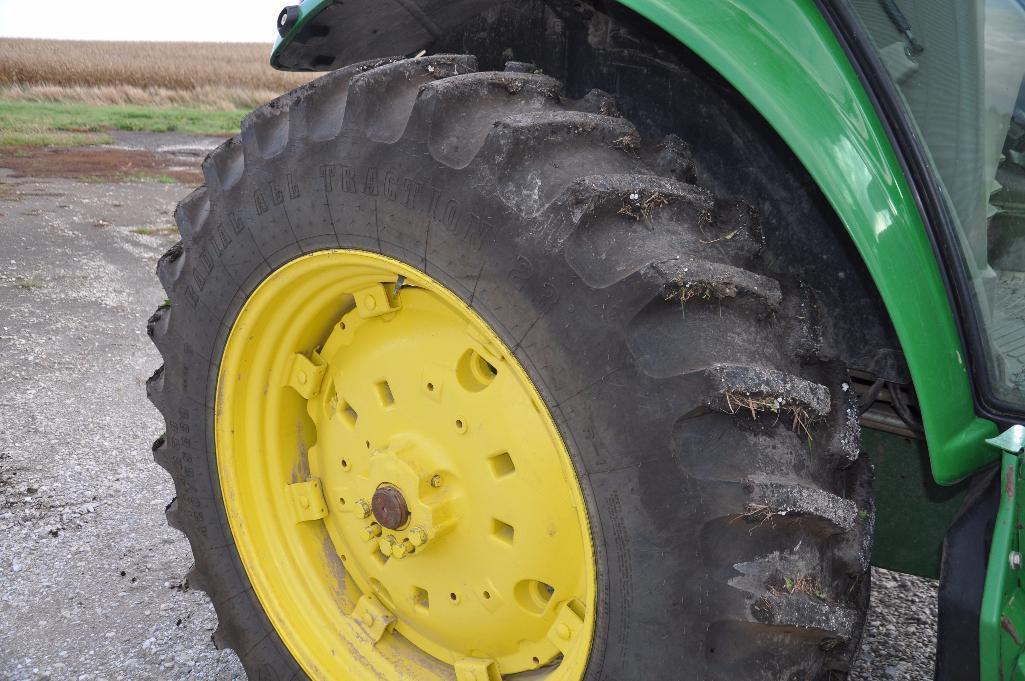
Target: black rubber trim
286,19
963,579
935,213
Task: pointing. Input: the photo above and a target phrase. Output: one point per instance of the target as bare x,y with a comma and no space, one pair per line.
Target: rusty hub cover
389,507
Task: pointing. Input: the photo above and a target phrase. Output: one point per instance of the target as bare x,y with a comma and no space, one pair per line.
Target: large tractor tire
465,380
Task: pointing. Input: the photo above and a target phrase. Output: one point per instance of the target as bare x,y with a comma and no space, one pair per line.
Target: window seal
934,211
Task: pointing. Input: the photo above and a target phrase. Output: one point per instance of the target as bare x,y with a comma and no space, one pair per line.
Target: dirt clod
684,291
627,143
755,404
640,205
803,584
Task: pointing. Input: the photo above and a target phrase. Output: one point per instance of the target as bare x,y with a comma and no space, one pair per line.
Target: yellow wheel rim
398,492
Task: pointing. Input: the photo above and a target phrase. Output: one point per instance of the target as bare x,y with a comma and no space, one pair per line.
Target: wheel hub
389,507
400,523
427,468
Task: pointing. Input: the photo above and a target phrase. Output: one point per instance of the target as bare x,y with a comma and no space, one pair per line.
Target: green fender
784,58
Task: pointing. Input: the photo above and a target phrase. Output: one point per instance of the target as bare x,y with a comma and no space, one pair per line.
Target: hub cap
399,495
390,509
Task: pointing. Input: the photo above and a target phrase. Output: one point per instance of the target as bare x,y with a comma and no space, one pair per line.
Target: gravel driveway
91,578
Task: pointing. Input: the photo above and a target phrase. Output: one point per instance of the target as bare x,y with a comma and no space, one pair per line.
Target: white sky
200,20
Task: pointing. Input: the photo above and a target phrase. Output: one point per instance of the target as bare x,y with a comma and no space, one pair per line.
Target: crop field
61,93
210,76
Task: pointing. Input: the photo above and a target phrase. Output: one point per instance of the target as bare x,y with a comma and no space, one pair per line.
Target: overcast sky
202,20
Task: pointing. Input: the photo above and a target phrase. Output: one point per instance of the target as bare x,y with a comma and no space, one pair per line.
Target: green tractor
607,340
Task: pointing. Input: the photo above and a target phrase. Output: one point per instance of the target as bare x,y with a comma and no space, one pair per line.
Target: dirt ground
91,578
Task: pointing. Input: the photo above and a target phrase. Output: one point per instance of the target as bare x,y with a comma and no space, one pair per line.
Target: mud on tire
716,445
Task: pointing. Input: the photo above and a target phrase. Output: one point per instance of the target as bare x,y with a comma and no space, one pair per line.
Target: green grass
37,136
30,282
159,178
143,177
73,124
155,231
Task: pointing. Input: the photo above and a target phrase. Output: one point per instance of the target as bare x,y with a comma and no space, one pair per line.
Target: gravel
91,578
899,643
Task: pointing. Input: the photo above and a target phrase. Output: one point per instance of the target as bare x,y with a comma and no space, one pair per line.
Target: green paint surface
1003,602
912,511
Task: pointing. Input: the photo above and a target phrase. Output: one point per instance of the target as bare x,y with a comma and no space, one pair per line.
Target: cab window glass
959,66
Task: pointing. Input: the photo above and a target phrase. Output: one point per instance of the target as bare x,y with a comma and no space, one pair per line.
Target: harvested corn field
215,76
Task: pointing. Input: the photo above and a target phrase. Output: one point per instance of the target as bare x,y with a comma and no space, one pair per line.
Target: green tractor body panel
912,513
1003,605
786,61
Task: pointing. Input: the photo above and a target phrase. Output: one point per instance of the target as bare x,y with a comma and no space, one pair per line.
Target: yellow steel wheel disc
398,492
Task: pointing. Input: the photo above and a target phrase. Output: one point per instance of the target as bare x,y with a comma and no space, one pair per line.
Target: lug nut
1014,558
401,550
387,545
418,536
436,481
363,509
371,531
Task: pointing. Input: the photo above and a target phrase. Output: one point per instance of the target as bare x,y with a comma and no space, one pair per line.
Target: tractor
606,339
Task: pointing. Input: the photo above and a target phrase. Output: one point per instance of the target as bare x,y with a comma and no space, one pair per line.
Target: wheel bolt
418,536
363,509
371,531
436,481
401,550
387,545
